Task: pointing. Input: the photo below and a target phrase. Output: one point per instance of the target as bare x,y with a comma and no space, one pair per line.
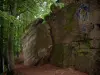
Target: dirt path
46,69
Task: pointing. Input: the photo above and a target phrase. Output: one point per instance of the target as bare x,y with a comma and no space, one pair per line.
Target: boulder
36,42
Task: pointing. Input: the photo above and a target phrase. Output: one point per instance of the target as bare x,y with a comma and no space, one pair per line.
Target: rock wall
76,30
65,29
69,38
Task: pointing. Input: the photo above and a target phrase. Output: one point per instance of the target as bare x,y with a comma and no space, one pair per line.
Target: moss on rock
57,55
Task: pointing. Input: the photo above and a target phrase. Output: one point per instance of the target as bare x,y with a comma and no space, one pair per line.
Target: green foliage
21,14
47,17
61,5
56,6
9,18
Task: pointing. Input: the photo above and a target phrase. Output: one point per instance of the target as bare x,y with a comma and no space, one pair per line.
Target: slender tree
1,37
12,11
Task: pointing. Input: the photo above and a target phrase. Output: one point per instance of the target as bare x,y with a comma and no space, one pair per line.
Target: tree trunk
12,8
1,38
10,49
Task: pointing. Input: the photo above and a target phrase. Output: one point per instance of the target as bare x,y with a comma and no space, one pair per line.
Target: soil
46,69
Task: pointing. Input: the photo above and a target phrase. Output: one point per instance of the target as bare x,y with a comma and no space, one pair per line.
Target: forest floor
47,69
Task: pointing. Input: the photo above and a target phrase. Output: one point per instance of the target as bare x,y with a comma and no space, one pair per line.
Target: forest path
46,69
